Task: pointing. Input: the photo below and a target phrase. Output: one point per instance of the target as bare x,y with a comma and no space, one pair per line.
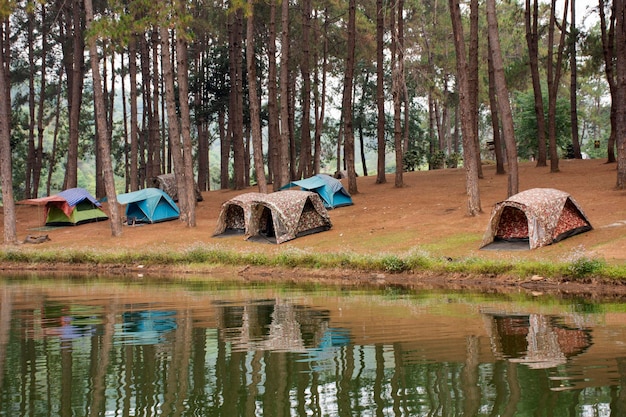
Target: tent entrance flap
513,225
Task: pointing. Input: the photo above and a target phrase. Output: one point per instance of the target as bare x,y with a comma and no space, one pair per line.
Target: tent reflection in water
149,205
275,217
70,207
534,218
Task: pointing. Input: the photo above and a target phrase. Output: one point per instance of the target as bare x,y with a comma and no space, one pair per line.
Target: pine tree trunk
134,121
284,167
73,57
469,159
574,83
347,99
173,125
380,93
182,71
6,170
620,104
103,143
255,108
502,96
272,103
532,39
305,168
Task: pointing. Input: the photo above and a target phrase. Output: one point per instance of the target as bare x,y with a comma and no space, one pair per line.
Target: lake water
109,346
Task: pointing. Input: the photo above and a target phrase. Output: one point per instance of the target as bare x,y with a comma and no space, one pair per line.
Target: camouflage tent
167,183
540,216
277,217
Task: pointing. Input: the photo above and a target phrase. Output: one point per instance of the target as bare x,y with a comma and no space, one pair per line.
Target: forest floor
428,215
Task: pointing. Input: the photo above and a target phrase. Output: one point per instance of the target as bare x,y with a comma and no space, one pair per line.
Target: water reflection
108,348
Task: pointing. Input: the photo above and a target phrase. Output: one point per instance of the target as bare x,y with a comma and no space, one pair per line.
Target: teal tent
329,189
149,205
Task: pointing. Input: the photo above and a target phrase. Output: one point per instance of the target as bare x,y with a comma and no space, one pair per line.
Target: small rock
537,278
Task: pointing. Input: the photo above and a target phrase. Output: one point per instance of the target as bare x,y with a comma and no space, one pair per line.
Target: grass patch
579,265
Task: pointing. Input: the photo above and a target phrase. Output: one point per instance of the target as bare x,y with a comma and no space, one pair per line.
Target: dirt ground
427,215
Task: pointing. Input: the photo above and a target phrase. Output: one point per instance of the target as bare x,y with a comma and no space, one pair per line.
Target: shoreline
590,288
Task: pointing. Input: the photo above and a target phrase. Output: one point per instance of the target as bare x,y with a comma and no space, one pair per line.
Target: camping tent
278,217
540,216
167,183
330,189
70,207
149,205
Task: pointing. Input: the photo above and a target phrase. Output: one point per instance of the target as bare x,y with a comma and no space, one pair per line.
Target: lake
192,346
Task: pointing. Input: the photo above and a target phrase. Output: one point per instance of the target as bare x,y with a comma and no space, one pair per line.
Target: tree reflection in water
107,351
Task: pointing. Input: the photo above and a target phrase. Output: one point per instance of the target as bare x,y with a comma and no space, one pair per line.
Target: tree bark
532,40
134,121
554,76
608,44
347,99
380,93
235,112
469,159
182,71
6,170
255,110
103,143
305,168
495,118
396,80
74,61
503,98
574,83
473,80
620,71
273,128
283,175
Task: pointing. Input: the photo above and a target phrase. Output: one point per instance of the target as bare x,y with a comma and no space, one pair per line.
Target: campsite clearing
427,215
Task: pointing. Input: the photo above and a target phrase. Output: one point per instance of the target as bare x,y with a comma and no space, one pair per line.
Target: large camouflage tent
167,183
539,216
275,217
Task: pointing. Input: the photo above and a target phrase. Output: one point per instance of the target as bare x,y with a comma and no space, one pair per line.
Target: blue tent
330,190
149,205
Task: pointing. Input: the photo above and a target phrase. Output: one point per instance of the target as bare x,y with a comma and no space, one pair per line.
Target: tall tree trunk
74,61
473,80
284,169
380,93
182,66
103,143
224,149
273,128
396,81
173,124
305,167
154,141
502,94
6,170
469,159
554,76
235,113
532,40
255,110
574,83
31,156
320,109
55,135
620,72
145,155
347,98
40,107
608,45
134,120
495,117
